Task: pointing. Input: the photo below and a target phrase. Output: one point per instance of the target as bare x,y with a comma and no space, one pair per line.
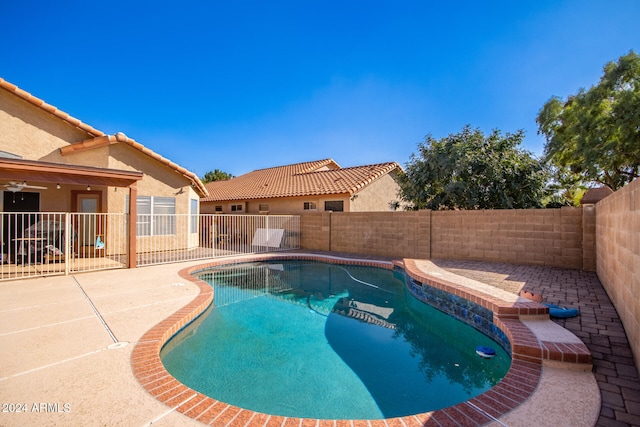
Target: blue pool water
319,340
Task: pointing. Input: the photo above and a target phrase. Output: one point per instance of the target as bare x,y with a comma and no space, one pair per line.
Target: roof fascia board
66,174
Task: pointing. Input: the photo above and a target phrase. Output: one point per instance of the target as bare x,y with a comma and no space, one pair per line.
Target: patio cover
59,173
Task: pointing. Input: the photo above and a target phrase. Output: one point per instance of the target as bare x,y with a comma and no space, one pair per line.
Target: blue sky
243,85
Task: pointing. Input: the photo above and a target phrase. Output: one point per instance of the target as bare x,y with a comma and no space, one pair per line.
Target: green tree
596,133
470,171
564,189
216,175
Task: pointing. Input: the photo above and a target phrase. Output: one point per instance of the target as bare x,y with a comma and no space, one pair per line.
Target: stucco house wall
295,205
34,134
378,196
31,132
158,180
277,206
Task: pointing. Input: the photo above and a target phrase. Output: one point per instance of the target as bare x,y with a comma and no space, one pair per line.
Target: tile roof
300,179
100,138
594,195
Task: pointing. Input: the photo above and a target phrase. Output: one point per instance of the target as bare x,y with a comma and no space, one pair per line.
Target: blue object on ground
561,312
484,351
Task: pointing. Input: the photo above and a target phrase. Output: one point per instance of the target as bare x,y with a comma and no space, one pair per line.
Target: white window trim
193,220
151,224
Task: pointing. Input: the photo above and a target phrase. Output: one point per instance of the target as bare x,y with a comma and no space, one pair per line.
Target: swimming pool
360,347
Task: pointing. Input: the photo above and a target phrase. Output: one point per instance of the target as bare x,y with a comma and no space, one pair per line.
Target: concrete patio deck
56,365
59,364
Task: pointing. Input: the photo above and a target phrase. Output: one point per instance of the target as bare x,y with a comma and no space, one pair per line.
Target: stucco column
133,216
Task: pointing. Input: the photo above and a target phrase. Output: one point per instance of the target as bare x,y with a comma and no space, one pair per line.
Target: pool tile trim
528,355
506,316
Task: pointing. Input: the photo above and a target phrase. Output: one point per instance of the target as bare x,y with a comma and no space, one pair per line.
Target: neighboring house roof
594,195
100,138
321,177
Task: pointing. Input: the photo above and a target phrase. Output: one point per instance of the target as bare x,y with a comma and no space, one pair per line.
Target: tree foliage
595,134
564,189
216,175
470,171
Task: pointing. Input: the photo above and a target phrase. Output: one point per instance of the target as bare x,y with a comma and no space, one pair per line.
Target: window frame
194,207
328,202
151,223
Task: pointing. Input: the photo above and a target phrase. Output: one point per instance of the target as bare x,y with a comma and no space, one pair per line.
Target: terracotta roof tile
300,179
594,195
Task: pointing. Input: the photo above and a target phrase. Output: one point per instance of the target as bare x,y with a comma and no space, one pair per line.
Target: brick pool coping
528,356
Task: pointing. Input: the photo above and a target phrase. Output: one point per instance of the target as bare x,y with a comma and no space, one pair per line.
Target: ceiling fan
15,186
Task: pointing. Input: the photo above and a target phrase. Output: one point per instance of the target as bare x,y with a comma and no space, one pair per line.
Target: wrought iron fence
100,241
172,238
48,243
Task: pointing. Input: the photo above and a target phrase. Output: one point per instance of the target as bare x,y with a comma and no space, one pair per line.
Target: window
193,224
143,209
164,215
263,207
310,206
218,208
236,208
156,215
335,206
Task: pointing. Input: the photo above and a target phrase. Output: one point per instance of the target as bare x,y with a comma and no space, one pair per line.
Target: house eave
21,170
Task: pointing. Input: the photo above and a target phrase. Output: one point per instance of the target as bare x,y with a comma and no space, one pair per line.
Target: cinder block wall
392,234
551,237
315,231
618,256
